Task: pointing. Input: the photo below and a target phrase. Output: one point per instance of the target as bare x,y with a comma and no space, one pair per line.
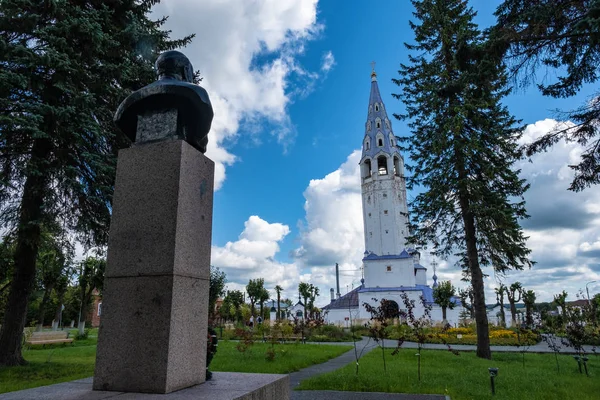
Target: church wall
338,317
452,316
401,274
421,277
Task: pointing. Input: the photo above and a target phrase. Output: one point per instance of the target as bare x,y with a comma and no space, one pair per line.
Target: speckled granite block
223,386
152,335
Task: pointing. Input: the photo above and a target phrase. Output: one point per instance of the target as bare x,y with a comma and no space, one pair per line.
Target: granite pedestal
153,328
223,386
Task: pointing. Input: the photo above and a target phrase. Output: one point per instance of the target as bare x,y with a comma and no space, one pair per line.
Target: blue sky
290,83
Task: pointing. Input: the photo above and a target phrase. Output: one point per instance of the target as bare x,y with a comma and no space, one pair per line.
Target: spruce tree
561,37
65,65
463,145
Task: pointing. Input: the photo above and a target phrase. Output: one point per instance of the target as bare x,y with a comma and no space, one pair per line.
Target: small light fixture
493,374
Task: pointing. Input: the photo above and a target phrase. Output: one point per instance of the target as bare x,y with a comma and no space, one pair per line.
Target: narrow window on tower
371,234
386,231
385,212
384,195
369,214
388,268
380,142
382,165
376,107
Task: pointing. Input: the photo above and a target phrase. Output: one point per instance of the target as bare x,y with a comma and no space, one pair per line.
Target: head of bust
174,65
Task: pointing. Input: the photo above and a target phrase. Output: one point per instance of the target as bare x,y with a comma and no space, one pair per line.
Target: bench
44,338
283,339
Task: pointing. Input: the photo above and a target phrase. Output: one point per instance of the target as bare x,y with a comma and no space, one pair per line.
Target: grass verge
288,357
58,363
466,376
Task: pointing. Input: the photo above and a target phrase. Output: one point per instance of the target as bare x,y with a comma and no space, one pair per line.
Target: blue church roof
373,256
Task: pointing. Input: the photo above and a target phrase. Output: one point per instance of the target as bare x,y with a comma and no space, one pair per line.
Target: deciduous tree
463,146
442,295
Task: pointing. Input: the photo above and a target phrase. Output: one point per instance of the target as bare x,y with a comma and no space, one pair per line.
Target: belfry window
382,165
367,170
380,142
378,124
376,107
396,166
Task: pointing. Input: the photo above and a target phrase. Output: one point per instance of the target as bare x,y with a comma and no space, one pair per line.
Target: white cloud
328,61
564,228
246,52
253,256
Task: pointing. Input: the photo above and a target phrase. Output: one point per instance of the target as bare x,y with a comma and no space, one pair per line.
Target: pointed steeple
379,136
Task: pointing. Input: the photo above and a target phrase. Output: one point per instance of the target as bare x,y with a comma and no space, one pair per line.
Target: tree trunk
42,309
483,338
26,251
445,321
502,314
58,312
513,314
278,307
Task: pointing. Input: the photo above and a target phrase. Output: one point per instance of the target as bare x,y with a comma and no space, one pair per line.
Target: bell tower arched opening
366,169
382,165
396,165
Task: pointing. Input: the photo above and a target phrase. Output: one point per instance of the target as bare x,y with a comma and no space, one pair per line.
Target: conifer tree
561,37
65,65
463,145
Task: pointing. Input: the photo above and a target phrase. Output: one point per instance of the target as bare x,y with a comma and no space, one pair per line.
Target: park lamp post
588,290
493,374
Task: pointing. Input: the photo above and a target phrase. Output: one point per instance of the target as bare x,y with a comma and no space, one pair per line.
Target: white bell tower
387,262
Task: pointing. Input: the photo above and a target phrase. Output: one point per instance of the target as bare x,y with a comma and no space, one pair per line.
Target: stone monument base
222,386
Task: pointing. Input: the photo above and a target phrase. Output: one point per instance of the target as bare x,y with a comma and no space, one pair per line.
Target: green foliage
442,295
64,68
217,287
562,37
82,336
256,291
462,146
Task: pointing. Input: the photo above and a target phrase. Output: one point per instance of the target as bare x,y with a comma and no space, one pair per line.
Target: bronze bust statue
173,94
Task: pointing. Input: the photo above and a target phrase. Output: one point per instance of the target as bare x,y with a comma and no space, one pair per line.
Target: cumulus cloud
247,53
564,228
253,256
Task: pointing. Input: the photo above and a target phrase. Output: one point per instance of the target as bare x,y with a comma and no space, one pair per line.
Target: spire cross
373,66
434,264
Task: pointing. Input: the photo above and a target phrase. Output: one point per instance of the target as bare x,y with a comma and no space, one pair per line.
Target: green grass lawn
58,363
466,376
289,357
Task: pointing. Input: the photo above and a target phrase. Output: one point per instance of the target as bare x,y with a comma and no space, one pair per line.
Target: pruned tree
529,300
262,298
463,147
278,290
64,68
218,279
53,263
442,295
500,292
513,292
304,289
557,38
255,289
91,278
561,301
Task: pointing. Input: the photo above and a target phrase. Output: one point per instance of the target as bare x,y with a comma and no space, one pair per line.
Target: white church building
390,266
